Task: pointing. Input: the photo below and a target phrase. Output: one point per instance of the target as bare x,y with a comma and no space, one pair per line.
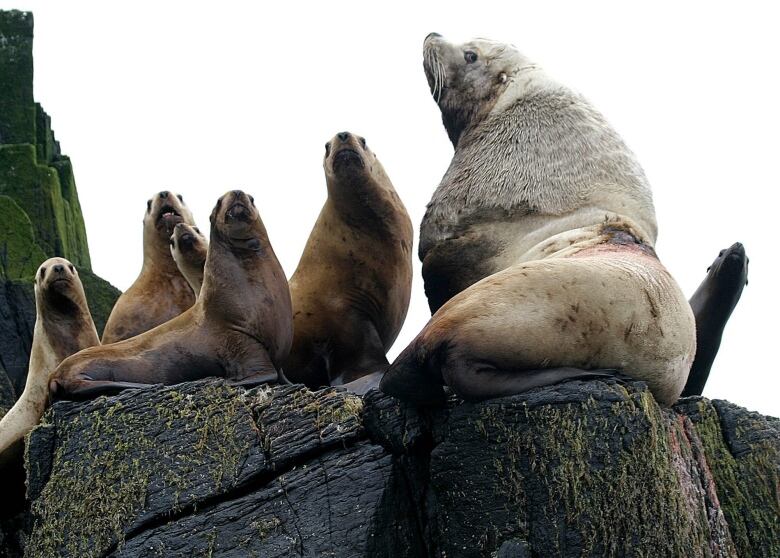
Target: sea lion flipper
88,389
712,305
254,368
476,381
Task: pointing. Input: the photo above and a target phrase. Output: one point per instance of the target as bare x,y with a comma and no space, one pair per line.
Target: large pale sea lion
351,289
537,246
240,328
160,292
63,326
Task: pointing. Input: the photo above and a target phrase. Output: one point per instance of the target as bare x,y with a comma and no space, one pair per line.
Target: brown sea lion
160,292
712,304
188,248
240,328
63,326
537,246
351,289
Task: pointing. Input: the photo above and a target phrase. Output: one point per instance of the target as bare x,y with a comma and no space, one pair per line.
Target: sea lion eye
252,199
71,268
171,242
363,143
148,206
470,56
43,272
181,198
197,230
327,149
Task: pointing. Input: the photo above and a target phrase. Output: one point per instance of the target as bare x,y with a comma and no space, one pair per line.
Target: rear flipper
712,305
364,384
411,378
477,381
77,390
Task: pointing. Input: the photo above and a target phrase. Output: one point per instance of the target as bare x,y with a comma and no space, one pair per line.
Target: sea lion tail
412,377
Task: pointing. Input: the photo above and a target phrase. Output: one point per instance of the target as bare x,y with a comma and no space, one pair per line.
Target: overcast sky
202,97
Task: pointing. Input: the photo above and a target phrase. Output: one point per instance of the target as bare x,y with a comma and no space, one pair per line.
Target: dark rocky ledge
577,469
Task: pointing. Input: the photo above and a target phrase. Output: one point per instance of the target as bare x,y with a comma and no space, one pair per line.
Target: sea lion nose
164,195
343,136
58,268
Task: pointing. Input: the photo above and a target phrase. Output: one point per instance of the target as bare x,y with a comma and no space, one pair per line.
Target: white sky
202,97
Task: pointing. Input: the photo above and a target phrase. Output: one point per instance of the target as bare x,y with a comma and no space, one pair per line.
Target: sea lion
160,292
188,248
537,246
240,327
352,286
712,304
63,326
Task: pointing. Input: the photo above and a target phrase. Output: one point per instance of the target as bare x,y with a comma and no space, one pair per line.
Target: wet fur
712,305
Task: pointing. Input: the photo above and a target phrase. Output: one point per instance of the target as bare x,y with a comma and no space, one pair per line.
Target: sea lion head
188,245
189,248
58,286
466,80
235,220
348,158
731,266
164,211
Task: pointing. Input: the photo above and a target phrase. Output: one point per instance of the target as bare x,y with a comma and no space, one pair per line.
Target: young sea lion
351,289
537,246
712,304
63,326
240,327
188,248
160,292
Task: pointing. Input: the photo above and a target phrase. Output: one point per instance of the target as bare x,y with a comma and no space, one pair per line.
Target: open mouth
168,217
347,157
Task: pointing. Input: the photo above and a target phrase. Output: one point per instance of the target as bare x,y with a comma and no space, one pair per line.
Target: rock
40,214
578,469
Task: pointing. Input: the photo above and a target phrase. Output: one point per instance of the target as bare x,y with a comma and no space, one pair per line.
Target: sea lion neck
362,200
157,254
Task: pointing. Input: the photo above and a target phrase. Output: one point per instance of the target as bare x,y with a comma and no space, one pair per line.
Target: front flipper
251,367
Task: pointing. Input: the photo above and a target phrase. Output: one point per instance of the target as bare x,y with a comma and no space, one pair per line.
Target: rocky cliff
40,215
578,469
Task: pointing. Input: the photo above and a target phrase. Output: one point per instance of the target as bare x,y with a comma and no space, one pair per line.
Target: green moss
17,111
20,256
748,486
106,460
609,475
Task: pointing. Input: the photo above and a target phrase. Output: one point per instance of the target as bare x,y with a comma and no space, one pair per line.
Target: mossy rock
38,191
17,109
743,453
20,256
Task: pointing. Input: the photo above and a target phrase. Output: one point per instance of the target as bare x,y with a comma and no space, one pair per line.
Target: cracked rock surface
578,469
